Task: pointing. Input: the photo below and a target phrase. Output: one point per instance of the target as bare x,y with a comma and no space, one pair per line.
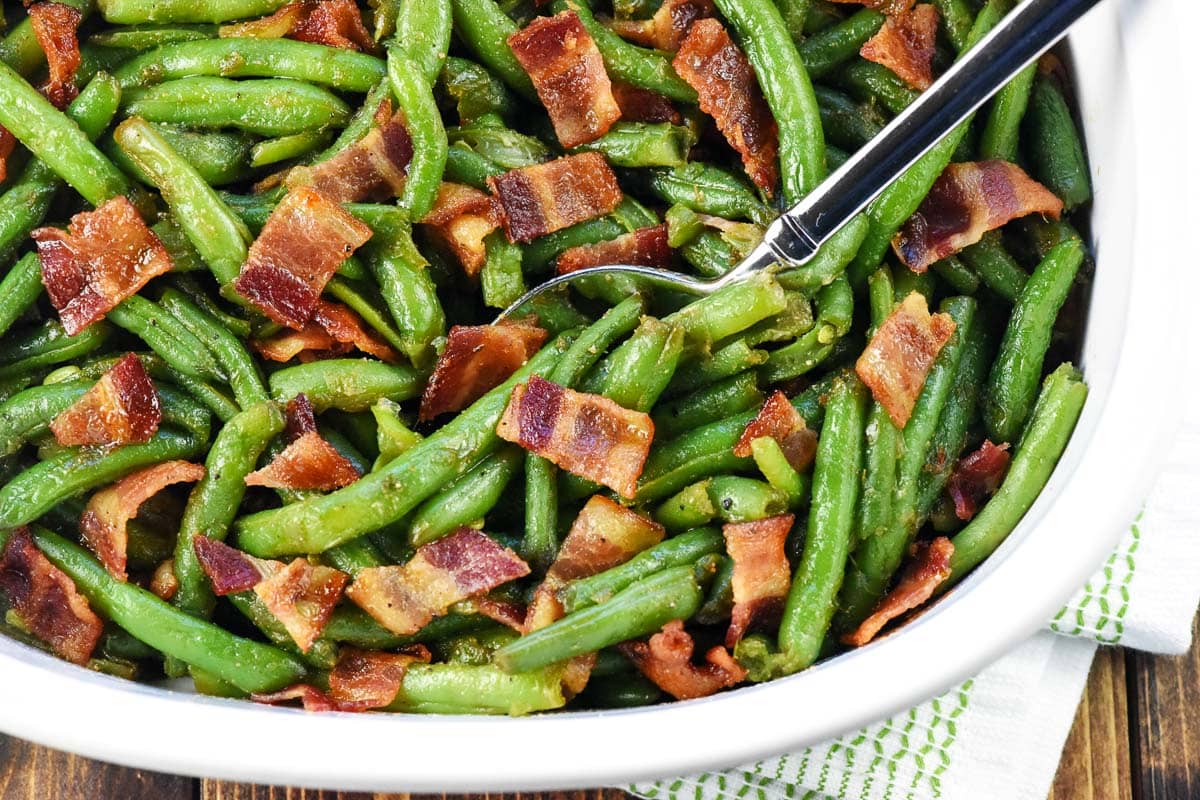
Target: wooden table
1136,737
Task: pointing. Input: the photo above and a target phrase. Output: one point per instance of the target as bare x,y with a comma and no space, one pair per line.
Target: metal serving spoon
792,239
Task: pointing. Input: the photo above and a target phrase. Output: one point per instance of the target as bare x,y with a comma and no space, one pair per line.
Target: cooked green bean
167,336
1054,146
708,189
424,123
485,29
838,43
1003,127
47,344
467,499
350,384
709,404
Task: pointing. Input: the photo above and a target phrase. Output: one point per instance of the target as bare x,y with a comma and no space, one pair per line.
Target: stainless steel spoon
792,239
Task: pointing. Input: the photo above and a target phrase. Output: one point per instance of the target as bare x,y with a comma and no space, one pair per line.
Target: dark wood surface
1136,737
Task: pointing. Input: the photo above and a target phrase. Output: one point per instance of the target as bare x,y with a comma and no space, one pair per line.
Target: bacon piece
104,520
299,417
889,7
367,679
929,567
899,356
102,258
312,698
905,45
604,535
721,74
464,564
544,198
8,143
302,596
309,343
309,462
780,420
477,359
305,240
121,407
230,570
163,582
334,330
967,201
586,434
334,23
45,601
761,574
568,72
642,105
667,661
461,217
56,26
373,168
976,477
644,247
670,23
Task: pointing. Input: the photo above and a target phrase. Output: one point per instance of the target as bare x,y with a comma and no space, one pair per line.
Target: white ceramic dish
1093,494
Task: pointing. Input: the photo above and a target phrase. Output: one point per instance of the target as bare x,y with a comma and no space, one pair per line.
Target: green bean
477,689
639,609
485,29
1003,127
28,413
729,311
1012,384
219,156
738,499
360,122
403,277
350,384
384,496
353,293
335,67
423,32
707,189
689,508
812,599
957,275
1058,408
642,144
709,404
882,438
351,625
731,359
229,352
623,691
148,37
251,666
476,91
773,463
464,165
501,281
353,557
321,655
20,289
424,124
48,344
847,123
830,260
641,367
870,82
167,337
794,13
995,267
840,42
286,148
135,12
541,252
468,499
392,436
957,18
217,234
835,312
1054,147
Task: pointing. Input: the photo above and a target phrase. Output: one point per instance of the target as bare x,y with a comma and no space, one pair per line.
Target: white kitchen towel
999,735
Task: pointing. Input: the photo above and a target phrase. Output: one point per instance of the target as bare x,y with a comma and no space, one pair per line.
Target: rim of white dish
1131,347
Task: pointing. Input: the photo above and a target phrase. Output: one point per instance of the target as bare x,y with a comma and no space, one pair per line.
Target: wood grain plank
1165,698
30,772
1096,760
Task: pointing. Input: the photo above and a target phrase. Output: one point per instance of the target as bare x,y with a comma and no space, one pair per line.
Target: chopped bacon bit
544,198
273,26
302,596
670,23
8,143
967,201
104,521
454,200
928,569
305,240
334,23
121,407
373,168
721,74
889,7
761,574
642,105
464,564
311,697
334,330
477,359
604,535
45,600
780,420
309,343
299,416
899,356
56,26
346,327
568,72
667,661
309,462
230,570
586,434
905,45
644,247
102,258
461,217
976,477
163,582
367,679
510,615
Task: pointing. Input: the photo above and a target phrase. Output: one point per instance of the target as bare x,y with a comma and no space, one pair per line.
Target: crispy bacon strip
544,198
366,679
56,26
102,258
761,574
721,74
334,330
373,168
667,661
780,420
230,570
586,434
967,201
121,407
899,356
301,596
8,143
644,247
568,73
305,240
45,601
928,569
976,477
104,520
464,564
667,28
905,45
163,582
460,218
642,105
299,417
889,7
312,698
604,535
334,23
477,358
309,462
309,343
